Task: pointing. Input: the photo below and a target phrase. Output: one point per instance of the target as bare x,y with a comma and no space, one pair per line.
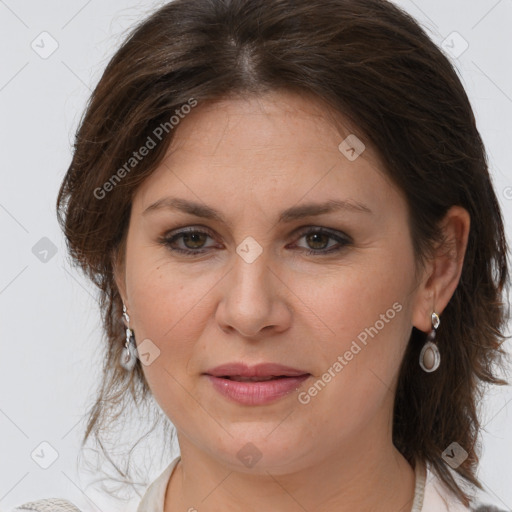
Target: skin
250,158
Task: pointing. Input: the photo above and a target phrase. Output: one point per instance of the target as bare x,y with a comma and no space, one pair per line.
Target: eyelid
341,239
304,230
298,232
174,234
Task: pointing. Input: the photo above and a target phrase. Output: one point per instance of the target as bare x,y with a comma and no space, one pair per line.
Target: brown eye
191,241
317,240
194,240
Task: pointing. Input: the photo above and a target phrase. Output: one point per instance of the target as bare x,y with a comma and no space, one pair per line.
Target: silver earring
430,357
129,354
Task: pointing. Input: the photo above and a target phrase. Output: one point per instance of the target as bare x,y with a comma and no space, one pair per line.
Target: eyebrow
288,215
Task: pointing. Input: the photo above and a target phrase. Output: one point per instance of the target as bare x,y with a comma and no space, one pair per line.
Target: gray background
49,324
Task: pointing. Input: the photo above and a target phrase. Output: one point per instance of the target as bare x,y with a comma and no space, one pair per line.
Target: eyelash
342,239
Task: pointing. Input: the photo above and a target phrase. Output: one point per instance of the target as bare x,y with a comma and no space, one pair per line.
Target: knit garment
48,505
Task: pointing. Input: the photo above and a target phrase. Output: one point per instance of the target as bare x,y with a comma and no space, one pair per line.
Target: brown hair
372,63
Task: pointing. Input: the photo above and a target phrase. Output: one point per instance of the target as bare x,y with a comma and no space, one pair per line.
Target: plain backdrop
52,55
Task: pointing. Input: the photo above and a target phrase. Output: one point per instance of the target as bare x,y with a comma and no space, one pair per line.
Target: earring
430,357
129,354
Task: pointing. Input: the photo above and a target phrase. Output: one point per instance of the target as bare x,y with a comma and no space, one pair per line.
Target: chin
259,450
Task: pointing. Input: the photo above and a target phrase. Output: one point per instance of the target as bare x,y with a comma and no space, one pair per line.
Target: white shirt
430,493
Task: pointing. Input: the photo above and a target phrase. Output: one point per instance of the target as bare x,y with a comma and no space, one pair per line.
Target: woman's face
258,285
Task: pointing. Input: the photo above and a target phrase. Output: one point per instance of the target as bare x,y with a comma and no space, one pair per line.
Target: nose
254,300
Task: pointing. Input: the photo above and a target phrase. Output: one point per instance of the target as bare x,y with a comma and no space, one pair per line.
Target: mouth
240,378
258,384
237,370
256,390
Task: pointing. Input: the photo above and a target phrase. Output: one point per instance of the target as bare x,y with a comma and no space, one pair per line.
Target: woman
287,209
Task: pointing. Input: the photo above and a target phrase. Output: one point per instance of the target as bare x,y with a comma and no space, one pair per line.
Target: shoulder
152,500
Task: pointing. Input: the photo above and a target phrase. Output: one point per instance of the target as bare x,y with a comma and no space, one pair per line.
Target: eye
317,240
192,241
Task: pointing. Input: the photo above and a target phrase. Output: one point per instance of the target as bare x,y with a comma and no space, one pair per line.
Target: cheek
354,301
368,309
168,306
163,301
169,309
356,381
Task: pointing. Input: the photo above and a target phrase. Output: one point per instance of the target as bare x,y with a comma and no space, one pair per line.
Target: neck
347,480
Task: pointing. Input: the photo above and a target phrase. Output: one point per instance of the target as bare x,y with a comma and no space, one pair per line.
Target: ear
443,270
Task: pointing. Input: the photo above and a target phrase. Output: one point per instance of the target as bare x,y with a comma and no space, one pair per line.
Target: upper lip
259,370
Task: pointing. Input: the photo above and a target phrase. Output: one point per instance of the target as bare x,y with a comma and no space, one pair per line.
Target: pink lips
255,385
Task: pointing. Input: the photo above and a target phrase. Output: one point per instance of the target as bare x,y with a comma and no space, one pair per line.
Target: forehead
290,143
302,120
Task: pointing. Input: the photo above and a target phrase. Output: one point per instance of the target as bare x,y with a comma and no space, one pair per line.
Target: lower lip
256,393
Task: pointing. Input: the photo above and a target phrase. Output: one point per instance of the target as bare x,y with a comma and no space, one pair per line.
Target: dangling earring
129,354
430,358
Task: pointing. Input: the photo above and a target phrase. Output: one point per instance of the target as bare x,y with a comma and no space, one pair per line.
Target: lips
239,378
260,372
261,384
